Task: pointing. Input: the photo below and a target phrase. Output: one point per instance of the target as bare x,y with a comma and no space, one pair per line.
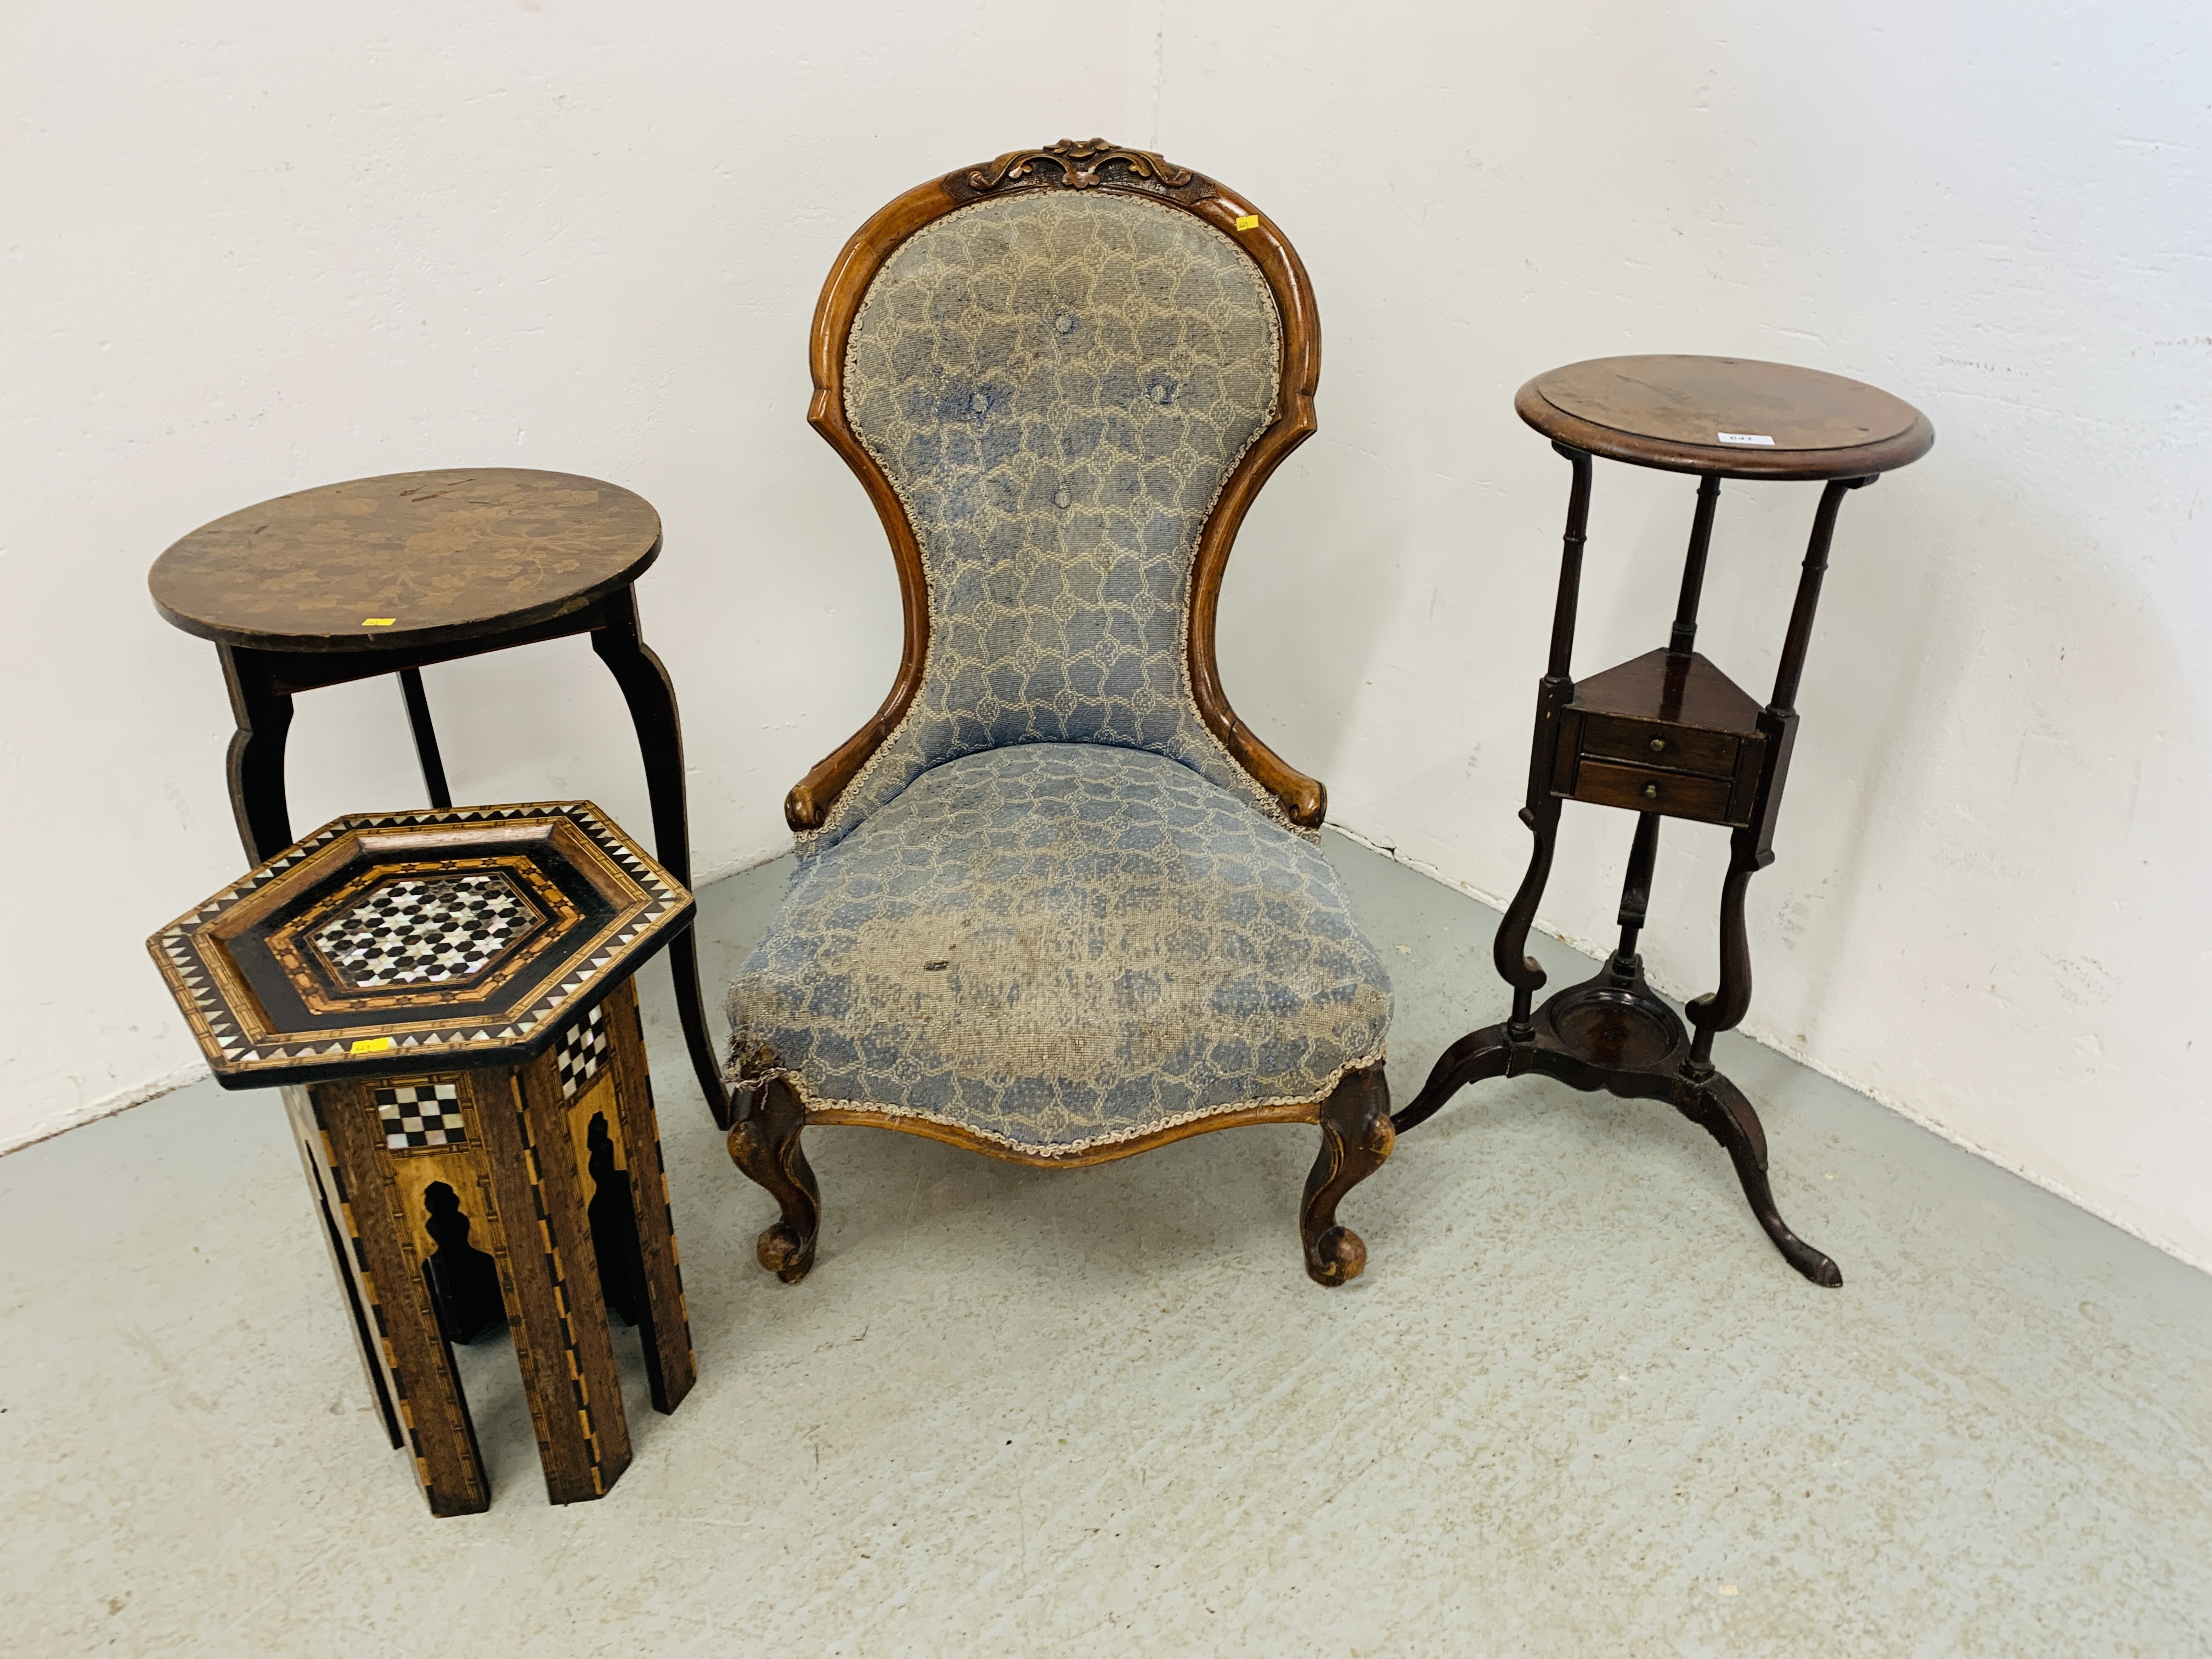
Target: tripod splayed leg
1702,750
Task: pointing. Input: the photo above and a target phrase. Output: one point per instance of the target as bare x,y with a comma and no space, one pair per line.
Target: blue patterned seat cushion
1057,946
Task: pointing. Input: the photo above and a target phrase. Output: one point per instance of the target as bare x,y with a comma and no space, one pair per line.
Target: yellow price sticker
370,1045
1249,221
378,621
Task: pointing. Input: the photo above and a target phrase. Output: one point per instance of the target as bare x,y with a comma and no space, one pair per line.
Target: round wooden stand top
1734,417
410,559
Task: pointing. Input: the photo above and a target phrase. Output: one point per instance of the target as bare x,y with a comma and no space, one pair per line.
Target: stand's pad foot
1717,1106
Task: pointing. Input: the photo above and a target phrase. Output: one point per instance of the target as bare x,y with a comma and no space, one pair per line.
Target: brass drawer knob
1658,745
1651,792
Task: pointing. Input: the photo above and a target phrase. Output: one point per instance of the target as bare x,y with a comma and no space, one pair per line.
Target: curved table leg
692,1008
426,737
652,698
256,761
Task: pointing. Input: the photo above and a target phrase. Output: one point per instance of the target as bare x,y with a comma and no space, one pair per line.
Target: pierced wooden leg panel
1356,1137
325,1188
764,1144
665,1321
417,1358
556,1311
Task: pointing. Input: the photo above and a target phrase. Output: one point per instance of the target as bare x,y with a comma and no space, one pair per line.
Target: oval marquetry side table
386,575
1668,735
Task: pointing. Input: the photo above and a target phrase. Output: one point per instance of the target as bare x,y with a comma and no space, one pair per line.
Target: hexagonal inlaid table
445,998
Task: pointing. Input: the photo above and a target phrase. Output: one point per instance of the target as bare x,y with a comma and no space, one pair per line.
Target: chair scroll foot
764,1144
1356,1137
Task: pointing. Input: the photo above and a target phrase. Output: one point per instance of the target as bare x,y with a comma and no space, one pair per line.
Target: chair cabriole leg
764,1144
1356,1137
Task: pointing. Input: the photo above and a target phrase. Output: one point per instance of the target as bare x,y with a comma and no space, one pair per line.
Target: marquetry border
226,1019
570,1366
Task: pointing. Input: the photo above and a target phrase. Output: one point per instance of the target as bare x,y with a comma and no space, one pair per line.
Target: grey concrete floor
1577,1406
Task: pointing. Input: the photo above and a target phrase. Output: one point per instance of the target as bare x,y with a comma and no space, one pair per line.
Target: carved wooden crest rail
1080,160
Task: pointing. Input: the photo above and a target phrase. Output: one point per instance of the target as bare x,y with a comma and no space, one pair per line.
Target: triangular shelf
1672,688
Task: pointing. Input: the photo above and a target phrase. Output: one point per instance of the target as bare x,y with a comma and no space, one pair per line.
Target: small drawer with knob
1646,789
1646,742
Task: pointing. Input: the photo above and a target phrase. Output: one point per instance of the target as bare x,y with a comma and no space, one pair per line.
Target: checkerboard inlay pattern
425,930
421,1115
200,968
582,1051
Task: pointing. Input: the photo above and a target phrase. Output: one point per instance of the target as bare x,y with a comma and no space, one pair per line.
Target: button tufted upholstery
1058,385
1051,912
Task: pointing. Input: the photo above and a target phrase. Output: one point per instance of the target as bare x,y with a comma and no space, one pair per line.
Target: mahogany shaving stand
1668,735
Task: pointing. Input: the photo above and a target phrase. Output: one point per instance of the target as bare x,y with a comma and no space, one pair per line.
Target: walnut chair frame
1354,1117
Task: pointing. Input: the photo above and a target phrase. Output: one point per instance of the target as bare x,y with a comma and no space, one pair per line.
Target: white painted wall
263,248
1989,905
253,248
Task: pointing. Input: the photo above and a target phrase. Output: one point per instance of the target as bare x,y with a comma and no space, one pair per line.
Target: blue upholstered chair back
1057,384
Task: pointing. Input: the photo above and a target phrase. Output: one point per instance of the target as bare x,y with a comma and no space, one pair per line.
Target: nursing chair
1055,902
